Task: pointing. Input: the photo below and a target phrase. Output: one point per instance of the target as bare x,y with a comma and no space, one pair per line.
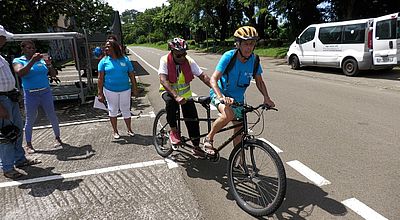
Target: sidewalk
95,176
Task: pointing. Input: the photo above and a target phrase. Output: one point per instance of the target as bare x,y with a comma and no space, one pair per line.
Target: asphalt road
344,129
338,136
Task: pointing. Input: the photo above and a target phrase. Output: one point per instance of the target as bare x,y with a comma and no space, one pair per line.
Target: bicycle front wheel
257,178
161,130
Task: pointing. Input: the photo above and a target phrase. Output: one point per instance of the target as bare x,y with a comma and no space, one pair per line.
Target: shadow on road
302,197
138,139
300,200
43,189
68,152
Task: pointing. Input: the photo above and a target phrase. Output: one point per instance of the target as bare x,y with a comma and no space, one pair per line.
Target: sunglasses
180,55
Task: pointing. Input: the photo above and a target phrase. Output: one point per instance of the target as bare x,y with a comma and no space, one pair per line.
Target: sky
139,5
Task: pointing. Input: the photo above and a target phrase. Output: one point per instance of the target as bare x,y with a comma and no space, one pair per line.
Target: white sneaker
116,136
131,133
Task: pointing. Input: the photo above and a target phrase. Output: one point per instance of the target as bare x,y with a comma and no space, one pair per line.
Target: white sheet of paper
98,104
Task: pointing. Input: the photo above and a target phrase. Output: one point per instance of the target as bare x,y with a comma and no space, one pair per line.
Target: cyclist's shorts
237,110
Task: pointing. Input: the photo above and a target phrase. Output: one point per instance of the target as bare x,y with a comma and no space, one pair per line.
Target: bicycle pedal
175,146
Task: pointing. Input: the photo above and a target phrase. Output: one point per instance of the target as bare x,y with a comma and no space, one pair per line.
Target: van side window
308,35
398,29
386,29
330,35
354,33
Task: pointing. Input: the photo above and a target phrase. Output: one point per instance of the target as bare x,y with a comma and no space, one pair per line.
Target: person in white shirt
11,151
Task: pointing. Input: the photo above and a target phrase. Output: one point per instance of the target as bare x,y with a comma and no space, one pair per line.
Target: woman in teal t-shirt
116,84
33,70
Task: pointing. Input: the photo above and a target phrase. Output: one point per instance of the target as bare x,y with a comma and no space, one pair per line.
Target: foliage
39,15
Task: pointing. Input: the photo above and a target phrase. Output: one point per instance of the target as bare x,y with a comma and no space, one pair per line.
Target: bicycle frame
242,131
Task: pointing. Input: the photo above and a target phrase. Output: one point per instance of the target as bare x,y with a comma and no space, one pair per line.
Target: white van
349,45
386,44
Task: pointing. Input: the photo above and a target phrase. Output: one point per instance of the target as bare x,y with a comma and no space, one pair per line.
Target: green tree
298,14
346,10
28,16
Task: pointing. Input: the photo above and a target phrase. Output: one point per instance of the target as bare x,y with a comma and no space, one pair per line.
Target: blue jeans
32,102
11,153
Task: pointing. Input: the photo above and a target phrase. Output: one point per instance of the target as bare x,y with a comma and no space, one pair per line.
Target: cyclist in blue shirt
231,86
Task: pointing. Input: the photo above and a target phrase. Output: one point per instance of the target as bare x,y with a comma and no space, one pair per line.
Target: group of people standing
116,85
33,68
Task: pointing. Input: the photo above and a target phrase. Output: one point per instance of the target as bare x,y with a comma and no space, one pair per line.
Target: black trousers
188,111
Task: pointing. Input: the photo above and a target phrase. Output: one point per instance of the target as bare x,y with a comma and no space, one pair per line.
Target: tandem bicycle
256,175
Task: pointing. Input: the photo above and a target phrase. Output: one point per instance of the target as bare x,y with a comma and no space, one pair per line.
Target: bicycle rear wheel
257,178
161,130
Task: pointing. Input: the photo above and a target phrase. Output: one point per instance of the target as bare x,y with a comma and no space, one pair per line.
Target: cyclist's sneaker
174,137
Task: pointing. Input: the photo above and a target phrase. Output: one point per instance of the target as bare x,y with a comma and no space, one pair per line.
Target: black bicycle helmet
178,44
246,33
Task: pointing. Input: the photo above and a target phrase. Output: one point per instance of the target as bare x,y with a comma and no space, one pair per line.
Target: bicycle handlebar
250,108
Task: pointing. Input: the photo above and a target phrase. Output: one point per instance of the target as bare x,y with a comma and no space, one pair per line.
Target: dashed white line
277,150
308,173
88,172
362,209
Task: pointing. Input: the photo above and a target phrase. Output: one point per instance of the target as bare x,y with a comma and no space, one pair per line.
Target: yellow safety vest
181,87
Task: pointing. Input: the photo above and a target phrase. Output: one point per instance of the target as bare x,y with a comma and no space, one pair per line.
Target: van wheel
350,67
294,62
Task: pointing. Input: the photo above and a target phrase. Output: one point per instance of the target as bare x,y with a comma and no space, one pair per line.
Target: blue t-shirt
37,76
116,71
239,76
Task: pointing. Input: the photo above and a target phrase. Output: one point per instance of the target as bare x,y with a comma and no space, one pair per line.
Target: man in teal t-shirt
230,87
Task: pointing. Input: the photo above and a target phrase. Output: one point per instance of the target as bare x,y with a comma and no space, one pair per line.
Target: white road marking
151,115
148,64
171,164
277,150
194,94
86,173
308,173
362,209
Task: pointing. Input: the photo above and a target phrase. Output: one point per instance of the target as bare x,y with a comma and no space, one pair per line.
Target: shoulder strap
229,68
231,63
256,65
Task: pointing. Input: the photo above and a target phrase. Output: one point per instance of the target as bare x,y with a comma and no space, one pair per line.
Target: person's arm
134,89
214,85
21,70
165,83
100,83
263,90
50,67
206,80
3,112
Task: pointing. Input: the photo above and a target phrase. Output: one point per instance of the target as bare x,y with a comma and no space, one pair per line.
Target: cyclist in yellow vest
176,71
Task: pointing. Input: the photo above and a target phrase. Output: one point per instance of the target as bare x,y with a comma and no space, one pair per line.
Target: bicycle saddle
202,99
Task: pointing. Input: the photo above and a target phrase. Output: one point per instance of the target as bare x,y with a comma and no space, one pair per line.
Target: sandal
28,162
29,149
13,174
208,146
198,153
